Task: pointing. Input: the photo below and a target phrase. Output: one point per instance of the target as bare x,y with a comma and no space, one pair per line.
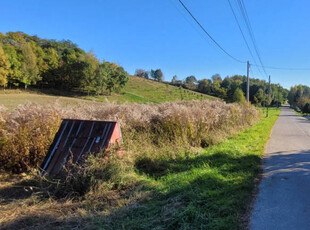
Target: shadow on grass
46,221
226,161
215,197
18,191
212,194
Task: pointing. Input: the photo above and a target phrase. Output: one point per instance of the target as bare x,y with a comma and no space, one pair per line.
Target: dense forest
29,60
299,96
231,89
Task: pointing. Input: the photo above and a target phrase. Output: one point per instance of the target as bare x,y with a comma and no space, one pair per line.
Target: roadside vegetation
299,99
165,177
190,159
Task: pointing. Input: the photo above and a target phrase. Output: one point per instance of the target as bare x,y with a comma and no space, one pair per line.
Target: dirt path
283,201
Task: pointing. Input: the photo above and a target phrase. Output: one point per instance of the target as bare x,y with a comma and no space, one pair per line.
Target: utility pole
268,98
248,83
278,96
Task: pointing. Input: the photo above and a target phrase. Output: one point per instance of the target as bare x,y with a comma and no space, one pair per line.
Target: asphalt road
283,201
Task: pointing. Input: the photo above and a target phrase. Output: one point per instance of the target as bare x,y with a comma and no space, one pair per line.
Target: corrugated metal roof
76,139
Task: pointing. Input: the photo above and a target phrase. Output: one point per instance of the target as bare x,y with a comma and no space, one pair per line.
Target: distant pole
278,96
248,83
268,97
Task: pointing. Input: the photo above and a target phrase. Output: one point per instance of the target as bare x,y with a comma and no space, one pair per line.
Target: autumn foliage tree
4,67
29,60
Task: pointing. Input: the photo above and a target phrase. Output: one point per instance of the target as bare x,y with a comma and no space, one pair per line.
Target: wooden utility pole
268,98
248,83
278,96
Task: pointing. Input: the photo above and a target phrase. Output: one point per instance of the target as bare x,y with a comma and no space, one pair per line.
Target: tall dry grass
148,129
153,135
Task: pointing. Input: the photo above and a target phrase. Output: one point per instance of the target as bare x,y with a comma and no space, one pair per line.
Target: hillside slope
142,90
137,90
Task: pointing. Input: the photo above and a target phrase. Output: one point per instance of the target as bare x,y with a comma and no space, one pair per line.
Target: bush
25,136
306,108
302,104
99,173
148,129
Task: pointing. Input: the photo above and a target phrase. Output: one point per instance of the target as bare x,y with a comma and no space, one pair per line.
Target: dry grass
153,135
27,132
12,98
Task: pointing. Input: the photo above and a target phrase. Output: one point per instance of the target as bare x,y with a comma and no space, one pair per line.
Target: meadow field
137,90
185,162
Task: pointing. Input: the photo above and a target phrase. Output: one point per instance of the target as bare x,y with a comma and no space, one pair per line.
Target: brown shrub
148,129
25,135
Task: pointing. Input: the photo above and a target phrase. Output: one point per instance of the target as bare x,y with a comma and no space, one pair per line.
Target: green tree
158,75
14,57
239,96
117,77
217,79
101,78
174,79
142,73
4,67
260,97
30,71
205,86
89,73
190,82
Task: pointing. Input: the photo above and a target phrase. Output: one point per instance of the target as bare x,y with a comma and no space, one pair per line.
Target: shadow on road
282,164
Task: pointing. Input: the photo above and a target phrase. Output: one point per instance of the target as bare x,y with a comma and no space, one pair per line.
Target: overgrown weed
159,140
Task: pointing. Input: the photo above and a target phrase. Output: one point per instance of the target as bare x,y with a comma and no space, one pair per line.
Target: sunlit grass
206,191
137,90
143,90
194,188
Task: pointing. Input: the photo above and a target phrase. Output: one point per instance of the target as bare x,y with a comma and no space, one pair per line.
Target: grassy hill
137,90
142,90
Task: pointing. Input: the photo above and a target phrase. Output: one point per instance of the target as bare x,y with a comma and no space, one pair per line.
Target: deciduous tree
4,67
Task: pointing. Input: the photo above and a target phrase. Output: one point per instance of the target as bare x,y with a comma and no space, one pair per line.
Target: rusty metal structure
76,139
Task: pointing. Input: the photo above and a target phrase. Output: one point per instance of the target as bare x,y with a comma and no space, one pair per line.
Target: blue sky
159,34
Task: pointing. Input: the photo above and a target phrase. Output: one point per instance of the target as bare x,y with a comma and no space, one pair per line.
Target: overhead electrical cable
283,68
188,20
247,44
205,31
250,31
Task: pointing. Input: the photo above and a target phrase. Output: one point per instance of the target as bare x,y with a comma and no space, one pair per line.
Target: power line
250,30
283,68
204,30
187,20
236,19
251,34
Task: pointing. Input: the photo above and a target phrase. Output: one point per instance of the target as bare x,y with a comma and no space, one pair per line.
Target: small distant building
76,139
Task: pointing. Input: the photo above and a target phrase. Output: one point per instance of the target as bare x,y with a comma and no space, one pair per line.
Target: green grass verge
210,190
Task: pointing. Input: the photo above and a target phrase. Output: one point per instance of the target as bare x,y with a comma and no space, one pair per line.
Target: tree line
230,87
156,75
29,60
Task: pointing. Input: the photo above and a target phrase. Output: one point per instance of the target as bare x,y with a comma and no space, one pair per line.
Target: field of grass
137,90
143,90
199,189
11,98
